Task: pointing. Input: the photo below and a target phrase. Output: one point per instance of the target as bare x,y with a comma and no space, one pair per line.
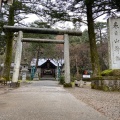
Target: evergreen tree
13,14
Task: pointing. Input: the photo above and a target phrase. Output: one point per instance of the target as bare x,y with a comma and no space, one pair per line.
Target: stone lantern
24,70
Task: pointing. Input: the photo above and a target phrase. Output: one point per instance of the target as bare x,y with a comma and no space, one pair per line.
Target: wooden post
66,58
17,60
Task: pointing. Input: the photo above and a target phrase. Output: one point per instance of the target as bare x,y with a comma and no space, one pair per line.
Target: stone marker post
114,43
17,59
66,58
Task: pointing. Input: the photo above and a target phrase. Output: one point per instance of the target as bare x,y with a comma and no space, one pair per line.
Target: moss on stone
2,78
73,84
99,87
116,72
86,79
104,78
107,72
105,88
97,78
110,72
92,86
15,84
62,80
111,77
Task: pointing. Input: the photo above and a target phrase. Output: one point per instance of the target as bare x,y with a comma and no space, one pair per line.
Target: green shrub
62,80
67,84
73,79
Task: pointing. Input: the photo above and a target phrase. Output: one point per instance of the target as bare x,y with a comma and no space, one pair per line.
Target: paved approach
44,100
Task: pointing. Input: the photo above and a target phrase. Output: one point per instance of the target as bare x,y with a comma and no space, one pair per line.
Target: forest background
88,52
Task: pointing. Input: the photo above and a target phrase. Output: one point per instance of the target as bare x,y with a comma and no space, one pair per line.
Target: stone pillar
66,58
17,60
114,43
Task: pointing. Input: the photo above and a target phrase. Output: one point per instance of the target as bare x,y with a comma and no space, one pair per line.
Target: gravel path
44,100
107,103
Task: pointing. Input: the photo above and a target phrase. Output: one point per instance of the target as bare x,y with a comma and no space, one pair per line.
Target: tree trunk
77,68
93,47
9,44
37,57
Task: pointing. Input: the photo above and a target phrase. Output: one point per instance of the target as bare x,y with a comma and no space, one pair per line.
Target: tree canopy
51,12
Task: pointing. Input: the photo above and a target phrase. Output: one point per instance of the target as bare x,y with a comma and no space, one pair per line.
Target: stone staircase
48,77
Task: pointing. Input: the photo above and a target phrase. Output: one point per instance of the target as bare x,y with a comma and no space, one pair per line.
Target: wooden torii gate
20,39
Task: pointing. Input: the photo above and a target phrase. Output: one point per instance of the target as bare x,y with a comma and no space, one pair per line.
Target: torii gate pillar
17,60
66,58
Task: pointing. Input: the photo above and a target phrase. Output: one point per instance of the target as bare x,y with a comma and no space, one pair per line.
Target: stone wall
106,85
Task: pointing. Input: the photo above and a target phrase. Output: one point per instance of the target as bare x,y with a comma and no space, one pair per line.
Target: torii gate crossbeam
41,30
42,40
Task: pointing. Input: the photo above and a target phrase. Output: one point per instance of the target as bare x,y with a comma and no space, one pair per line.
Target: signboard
86,76
114,43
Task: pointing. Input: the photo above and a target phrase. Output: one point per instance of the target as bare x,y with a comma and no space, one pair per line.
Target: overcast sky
32,18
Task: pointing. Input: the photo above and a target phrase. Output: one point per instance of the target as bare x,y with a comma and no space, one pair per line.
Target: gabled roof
48,64
42,61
